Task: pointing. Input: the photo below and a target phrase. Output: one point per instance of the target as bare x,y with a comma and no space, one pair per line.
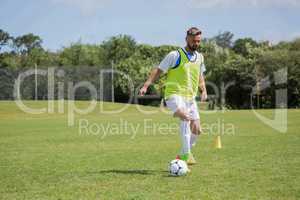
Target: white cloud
252,3
86,7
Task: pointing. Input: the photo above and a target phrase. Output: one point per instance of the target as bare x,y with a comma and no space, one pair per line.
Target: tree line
240,73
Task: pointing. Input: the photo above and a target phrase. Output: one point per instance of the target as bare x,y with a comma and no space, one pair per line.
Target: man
184,68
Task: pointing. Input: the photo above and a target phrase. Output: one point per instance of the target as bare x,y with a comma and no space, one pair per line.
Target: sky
157,22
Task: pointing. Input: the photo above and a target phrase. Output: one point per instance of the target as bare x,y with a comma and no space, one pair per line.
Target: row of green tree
240,73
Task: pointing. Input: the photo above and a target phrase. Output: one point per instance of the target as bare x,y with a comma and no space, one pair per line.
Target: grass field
41,157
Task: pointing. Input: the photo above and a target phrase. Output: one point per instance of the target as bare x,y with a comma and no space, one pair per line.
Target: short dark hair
193,31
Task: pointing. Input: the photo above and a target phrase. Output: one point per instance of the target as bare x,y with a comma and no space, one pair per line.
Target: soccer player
184,68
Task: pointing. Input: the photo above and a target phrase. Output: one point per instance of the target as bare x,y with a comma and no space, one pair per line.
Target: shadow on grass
132,171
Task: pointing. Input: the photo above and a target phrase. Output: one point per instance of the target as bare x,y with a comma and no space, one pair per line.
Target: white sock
185,137
193,140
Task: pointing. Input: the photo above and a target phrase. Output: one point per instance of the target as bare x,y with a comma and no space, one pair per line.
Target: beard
193,47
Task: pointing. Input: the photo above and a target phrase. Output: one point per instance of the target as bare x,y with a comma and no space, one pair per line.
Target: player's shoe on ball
184,158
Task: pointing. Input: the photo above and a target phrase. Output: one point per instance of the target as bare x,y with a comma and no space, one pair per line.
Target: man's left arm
202,87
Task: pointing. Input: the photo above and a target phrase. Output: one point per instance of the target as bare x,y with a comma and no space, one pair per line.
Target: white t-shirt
173,57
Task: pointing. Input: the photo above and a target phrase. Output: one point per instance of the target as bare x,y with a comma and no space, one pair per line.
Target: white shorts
176,102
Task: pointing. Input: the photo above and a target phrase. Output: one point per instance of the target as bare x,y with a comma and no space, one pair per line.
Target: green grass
42,158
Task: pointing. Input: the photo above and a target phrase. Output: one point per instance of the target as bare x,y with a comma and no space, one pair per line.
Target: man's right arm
165,64
155,73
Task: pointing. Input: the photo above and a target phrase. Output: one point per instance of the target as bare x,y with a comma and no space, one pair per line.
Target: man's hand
183,115
143,90
203,96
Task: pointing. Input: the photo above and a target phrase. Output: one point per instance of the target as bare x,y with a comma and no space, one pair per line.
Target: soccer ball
178,168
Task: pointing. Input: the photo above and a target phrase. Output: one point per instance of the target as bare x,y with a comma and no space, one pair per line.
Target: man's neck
189,50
